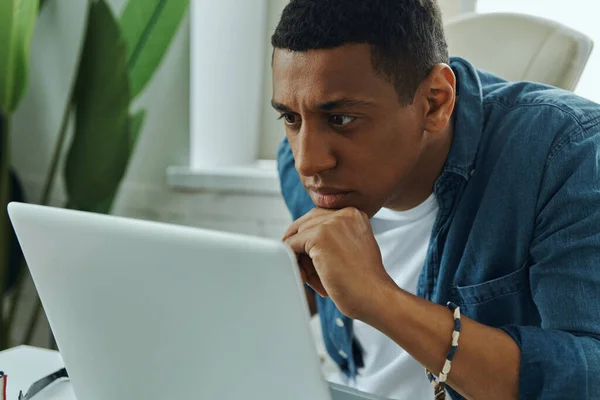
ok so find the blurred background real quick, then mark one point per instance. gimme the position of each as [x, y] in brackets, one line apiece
[160, 110]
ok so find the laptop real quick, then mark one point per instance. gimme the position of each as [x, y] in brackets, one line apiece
[147, 310]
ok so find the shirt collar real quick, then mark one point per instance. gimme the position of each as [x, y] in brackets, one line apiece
[468, 119]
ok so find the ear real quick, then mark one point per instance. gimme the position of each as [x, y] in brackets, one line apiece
[438, 90]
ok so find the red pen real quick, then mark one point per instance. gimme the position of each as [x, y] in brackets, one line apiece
[3, 379]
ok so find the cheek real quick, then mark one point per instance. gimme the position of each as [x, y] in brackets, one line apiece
[369, 170]
[386, 169]
[392, 159]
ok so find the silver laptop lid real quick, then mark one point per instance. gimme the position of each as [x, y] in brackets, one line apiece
[145, 310]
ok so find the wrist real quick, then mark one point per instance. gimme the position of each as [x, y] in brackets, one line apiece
[383, 306]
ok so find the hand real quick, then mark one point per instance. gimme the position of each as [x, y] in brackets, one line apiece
[339, 258]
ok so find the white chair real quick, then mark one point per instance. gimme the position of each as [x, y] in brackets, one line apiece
[520, 47]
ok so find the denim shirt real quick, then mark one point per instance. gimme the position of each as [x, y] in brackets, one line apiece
[516, 243]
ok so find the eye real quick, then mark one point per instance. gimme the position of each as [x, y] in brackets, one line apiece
[289, 119]
[341, 120]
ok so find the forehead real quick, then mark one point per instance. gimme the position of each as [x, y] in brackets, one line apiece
[316, 76]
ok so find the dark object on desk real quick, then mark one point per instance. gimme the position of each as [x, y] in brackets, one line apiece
[43, 383]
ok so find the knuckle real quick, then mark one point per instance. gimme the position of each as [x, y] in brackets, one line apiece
[321, 231]
[354, 213]
[348, 211]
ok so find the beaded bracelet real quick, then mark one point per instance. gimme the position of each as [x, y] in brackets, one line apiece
[439, 384]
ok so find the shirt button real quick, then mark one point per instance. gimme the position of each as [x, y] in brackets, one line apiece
[343, 354]
[339, 322]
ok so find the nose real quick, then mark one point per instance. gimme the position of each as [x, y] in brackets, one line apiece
[313, 153]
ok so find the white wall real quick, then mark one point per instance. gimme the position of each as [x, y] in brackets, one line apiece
[272, 128]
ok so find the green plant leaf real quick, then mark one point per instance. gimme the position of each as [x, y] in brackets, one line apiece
[104, 207]
[17, 21]
[135, 126]
[148, 27]
[99, 153]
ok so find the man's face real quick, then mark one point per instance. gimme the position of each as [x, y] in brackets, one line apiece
[354, 144]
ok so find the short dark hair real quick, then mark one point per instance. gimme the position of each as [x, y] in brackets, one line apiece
[406, 36]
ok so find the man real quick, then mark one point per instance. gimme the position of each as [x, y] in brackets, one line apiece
[414, 181]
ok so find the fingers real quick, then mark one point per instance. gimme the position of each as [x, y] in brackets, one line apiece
[316, 216]
[316, 221]
[308, 271]
[306, 266]
[299, 242]
[310, 275]
[298, 237]
[315, 212]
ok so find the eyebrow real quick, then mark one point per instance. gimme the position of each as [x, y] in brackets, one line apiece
[280, 107]
[328, 106]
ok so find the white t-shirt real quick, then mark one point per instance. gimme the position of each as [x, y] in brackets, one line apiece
[403, 238]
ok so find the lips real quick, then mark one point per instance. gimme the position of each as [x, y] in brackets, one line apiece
[325, 198]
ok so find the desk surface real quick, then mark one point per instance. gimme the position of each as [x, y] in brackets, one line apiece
[25, 365]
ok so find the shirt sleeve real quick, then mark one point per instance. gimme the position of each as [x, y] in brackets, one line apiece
[561, 358]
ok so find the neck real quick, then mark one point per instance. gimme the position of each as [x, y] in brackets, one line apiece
[419, 185]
